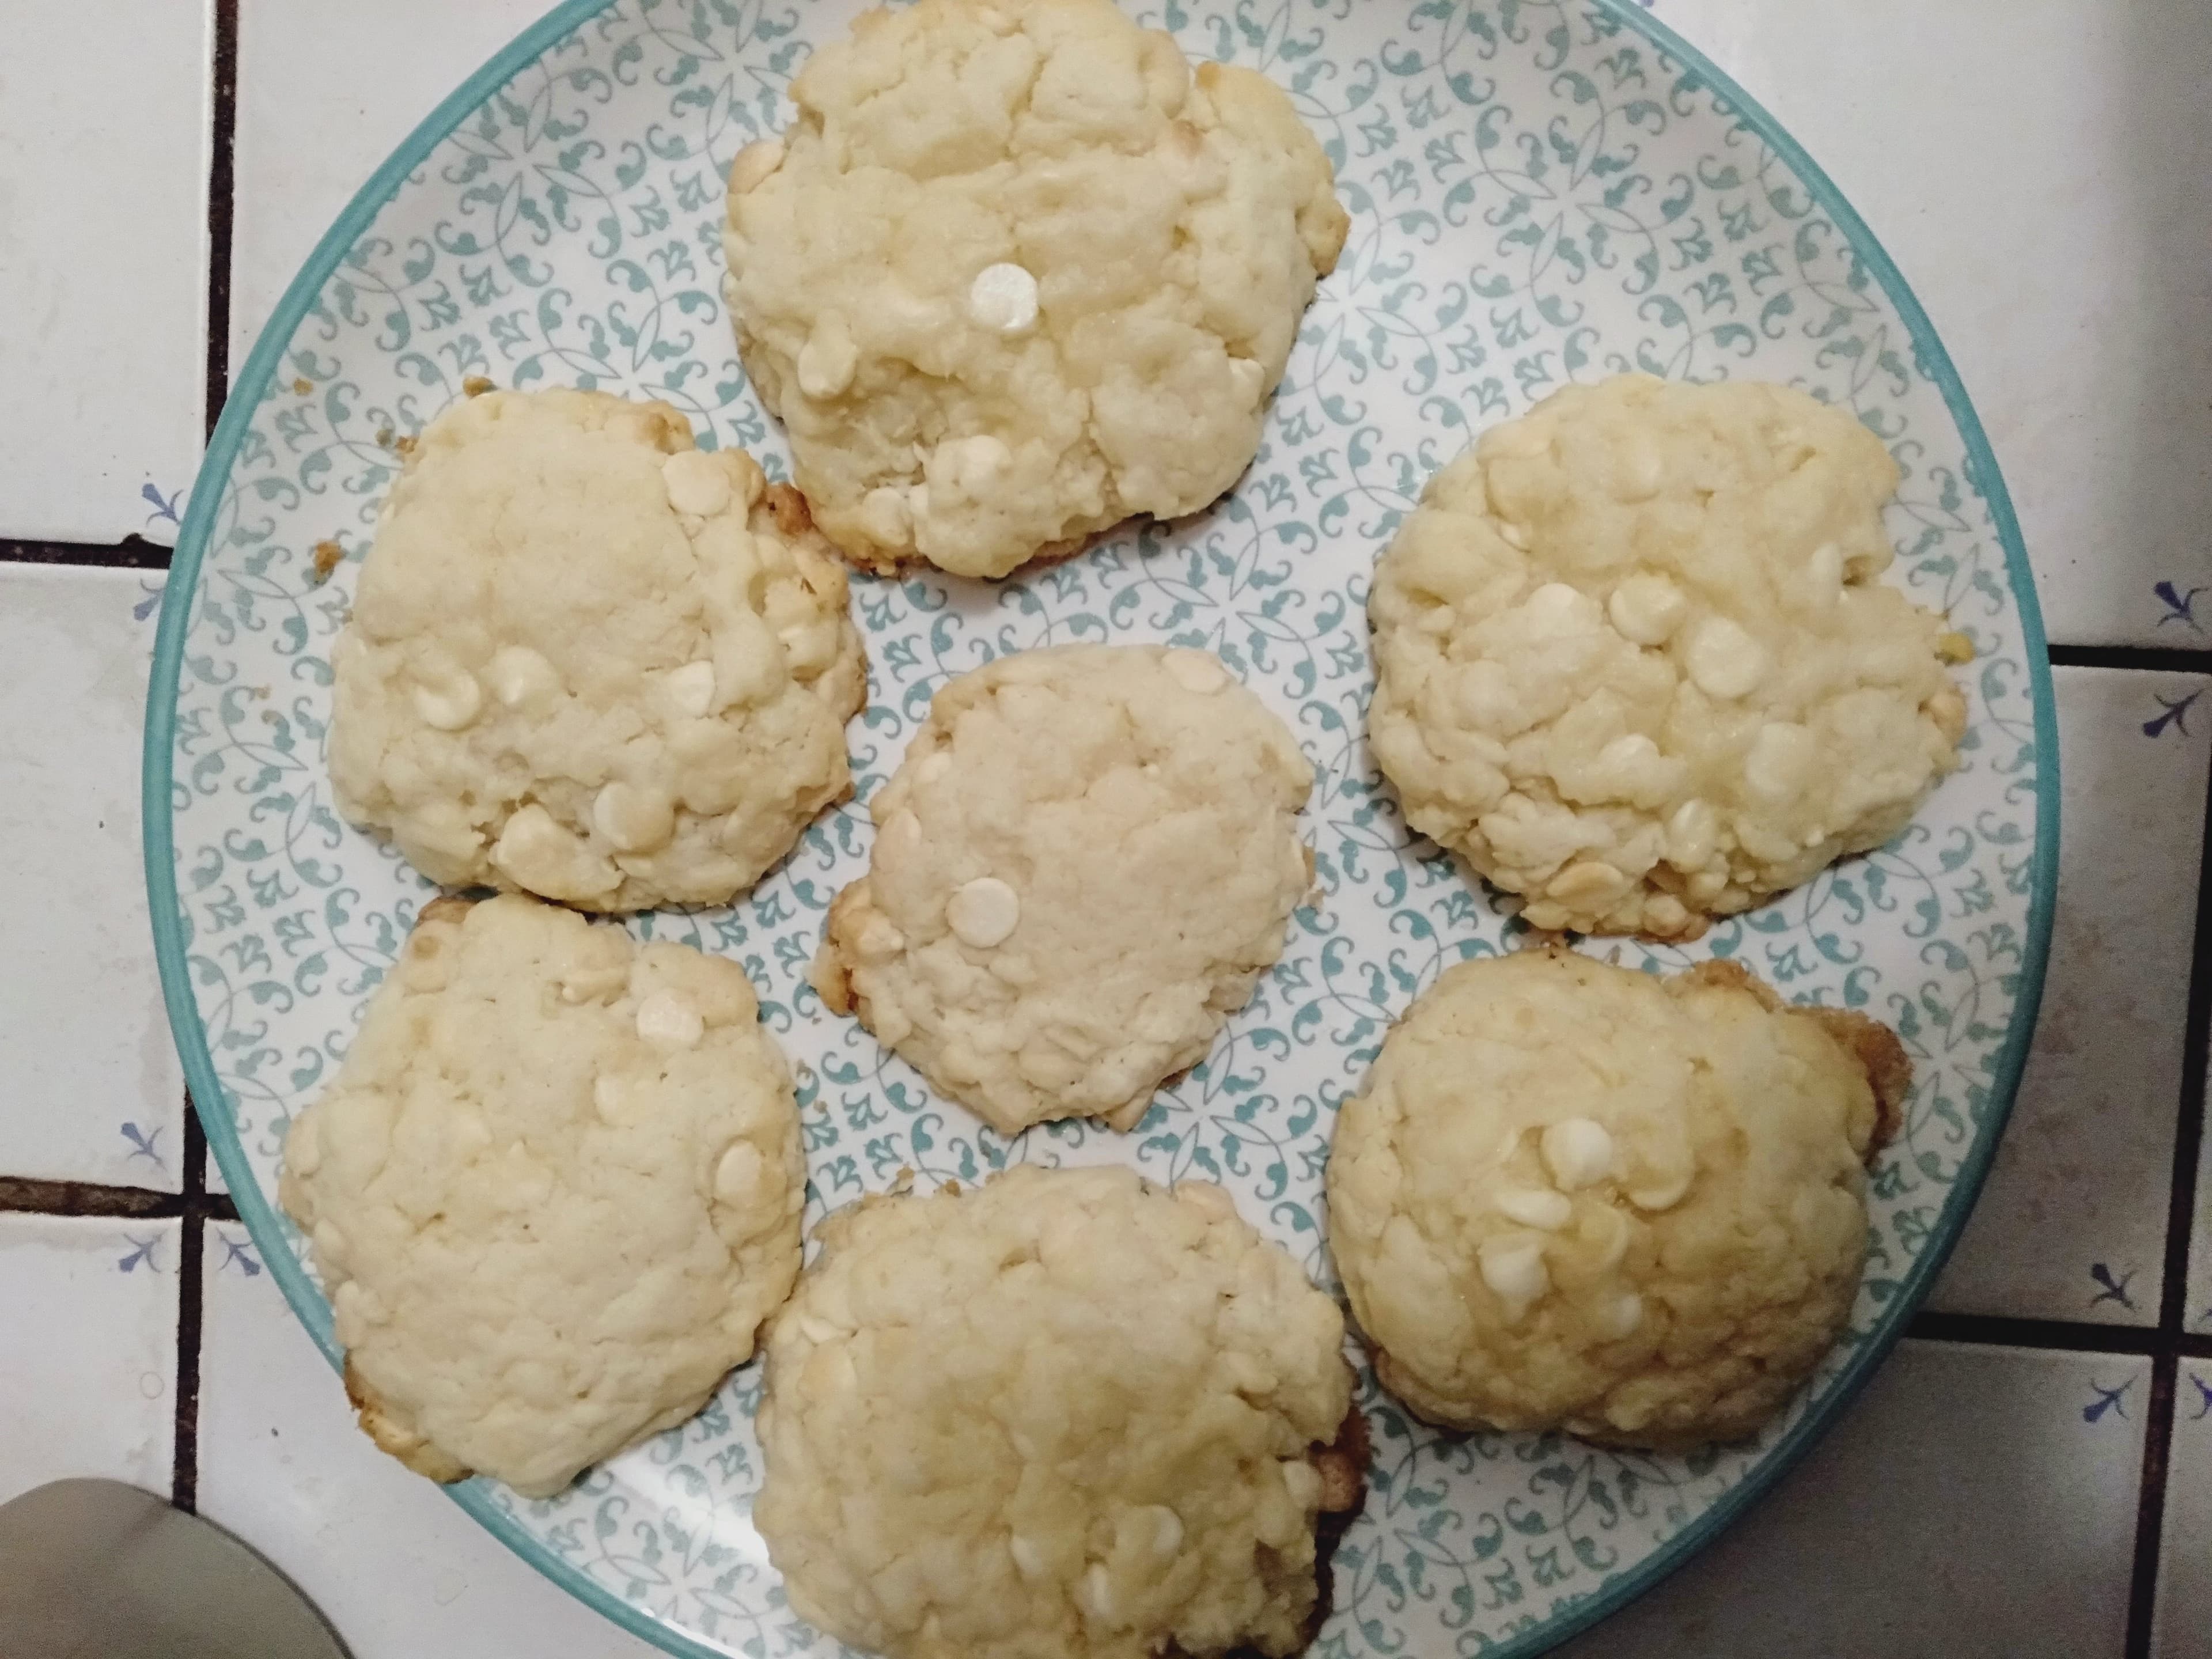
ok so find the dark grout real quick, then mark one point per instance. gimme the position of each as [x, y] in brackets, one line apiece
[2150, 1515]
[2175, 1339]
[131, 553]
[2153, 658]
[185, 1472]
[223, 143]
[86, 1198]
[2071, 1336]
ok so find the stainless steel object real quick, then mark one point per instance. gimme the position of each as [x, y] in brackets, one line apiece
[97, 1570]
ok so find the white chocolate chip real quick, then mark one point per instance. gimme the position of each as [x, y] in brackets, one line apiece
[827, 360]
[1663, 1193]
[633, 819]
[933, 768]
[1167, 1531]
[885, 515]
[1029, 1560]
[1554, 609]
[1724, 660]
[1003, 298]
[900, 839]
[534, 852]
[1513, 535]
[608, 1096]
[879, 940]
[1513, 1266]
[669, 1019]
[1640, 468]
[968, 465]
[1692, 834]
[1535, 1207]
[1194, 670]
[1647, 610]
[753, 164]
[738, 1177]
[1824, 575]
[818, 1331]
[1620, 1316]
[690, 689]
[1578, 1151]
[1301, 1481]
[1781, 760]
[450, 702]
[1097, 1596]
[696, 483]
[983, 912]
[1585, 883]
[1248, 375]
[519, 677]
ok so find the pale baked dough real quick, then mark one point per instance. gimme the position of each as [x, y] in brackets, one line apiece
[1574, 1196]
[1068, 1413]
[1016, 273]
[589, 662]
[1634, 661]
[1086, 858]
[552, 1194]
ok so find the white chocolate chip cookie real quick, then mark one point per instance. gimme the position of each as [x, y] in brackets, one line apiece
[1067, 1413]
[1085, 859]
[1578, 1197]
[589, 662]
[1634, 661]
[553, 1193]
[1016, 274]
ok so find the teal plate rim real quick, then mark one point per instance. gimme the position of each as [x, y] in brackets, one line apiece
[261, 1220]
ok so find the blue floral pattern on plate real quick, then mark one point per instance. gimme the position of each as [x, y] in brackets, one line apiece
[1542, 192]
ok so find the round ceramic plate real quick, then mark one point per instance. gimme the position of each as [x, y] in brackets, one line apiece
[1541, 194]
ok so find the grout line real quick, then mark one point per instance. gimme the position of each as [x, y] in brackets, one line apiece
[2164, 659]
[132, 553]
[2150, 1522]
[2174, 1338]
[2072, 1336]
[184, 1474]
[86, 1198]
[223, 143]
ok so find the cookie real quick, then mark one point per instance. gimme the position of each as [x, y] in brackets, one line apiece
[1634, 660]
[1068, 1413]
[1086, 858]
[552, 1194]
[589, 662]
[1573, 1196]
[1016, 273]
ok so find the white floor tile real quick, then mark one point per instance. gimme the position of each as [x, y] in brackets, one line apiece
[398, 1569]
[2072, 1224]
[89, 1363]
[326, 89]
[2183, 1628]
[92, 1089]
[1975, 1503]
[2037, 172]
[103, 267]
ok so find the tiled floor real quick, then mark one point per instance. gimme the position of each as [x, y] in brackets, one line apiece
[1886, 1539]
[88, 1369]
[92, 1090]
[2040, 185]
[2073, 1224]
[104, 265]
[2184, 1602]
[394, 1565]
